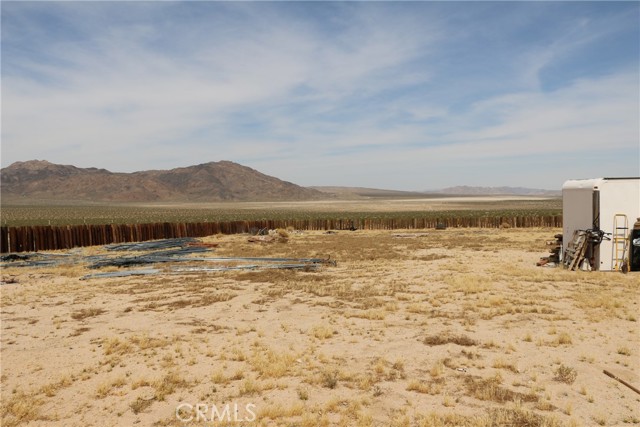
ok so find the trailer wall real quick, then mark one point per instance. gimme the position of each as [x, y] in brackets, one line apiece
[616, 197]
[594, 202]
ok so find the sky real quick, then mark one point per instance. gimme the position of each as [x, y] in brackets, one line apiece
[394, 95]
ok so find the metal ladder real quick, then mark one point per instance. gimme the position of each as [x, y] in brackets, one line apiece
[619, 242]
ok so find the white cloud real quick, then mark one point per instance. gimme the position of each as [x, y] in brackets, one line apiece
[367, 99]
[574, 131]
[588, 115]
[118, 94]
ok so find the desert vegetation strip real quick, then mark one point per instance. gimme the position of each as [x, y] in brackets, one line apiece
[62, 215]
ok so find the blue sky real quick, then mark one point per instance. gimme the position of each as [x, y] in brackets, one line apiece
[400, 95]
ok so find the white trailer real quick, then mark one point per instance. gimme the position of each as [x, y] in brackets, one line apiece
[594, 203]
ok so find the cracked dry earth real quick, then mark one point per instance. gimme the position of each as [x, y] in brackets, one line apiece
[414, 328]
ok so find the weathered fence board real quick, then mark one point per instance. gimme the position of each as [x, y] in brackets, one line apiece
[38, 238]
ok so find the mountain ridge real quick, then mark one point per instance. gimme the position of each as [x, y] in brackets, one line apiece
[41, 181]
[206, 182]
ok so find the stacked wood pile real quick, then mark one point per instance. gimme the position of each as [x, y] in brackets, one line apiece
[554, 252]
[38, 238]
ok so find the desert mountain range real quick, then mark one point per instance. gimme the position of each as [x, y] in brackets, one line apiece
[207, 182]
[40, 181]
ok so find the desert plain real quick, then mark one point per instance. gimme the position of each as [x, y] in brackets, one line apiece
[453, 327]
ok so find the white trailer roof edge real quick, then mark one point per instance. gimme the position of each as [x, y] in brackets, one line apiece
[582, 184]
[590, 184]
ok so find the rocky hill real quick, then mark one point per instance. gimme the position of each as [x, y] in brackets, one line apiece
[40, 180]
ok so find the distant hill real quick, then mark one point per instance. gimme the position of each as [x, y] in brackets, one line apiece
[370, 193]
[350, 193]
[499, 191]
[40, 180]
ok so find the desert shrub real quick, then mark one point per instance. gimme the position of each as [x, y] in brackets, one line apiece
[565, 374]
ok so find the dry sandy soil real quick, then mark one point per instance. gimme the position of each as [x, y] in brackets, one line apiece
[439, 328]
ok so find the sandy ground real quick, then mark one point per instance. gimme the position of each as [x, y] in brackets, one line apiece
[436, 328]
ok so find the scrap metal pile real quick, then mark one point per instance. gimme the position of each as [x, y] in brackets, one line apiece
[183, 255]
[553, 259]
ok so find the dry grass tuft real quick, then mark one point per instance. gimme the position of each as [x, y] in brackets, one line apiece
[303, 393]
[202, 300]
[519, 417]
[250, 387]
[271, 364]
[20, 408]
[437, 369]
[468, 284]
[79, 331]
[140, 405]
[329, 379]
[512, 417]
[219, 377]
[52, 389]
[145, 342]
[500, 363]
[624, 350]
[432, 387]
[86, 312]
[447, 338]
[367, 314]
[105, 388]
[168, 384]
[117, 346]
[121, 347]
[323, 332]
[564, 339]
[490, 389]
[444, 420]
[277, 411]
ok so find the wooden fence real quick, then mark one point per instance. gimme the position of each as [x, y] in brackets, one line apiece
[37, 238]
